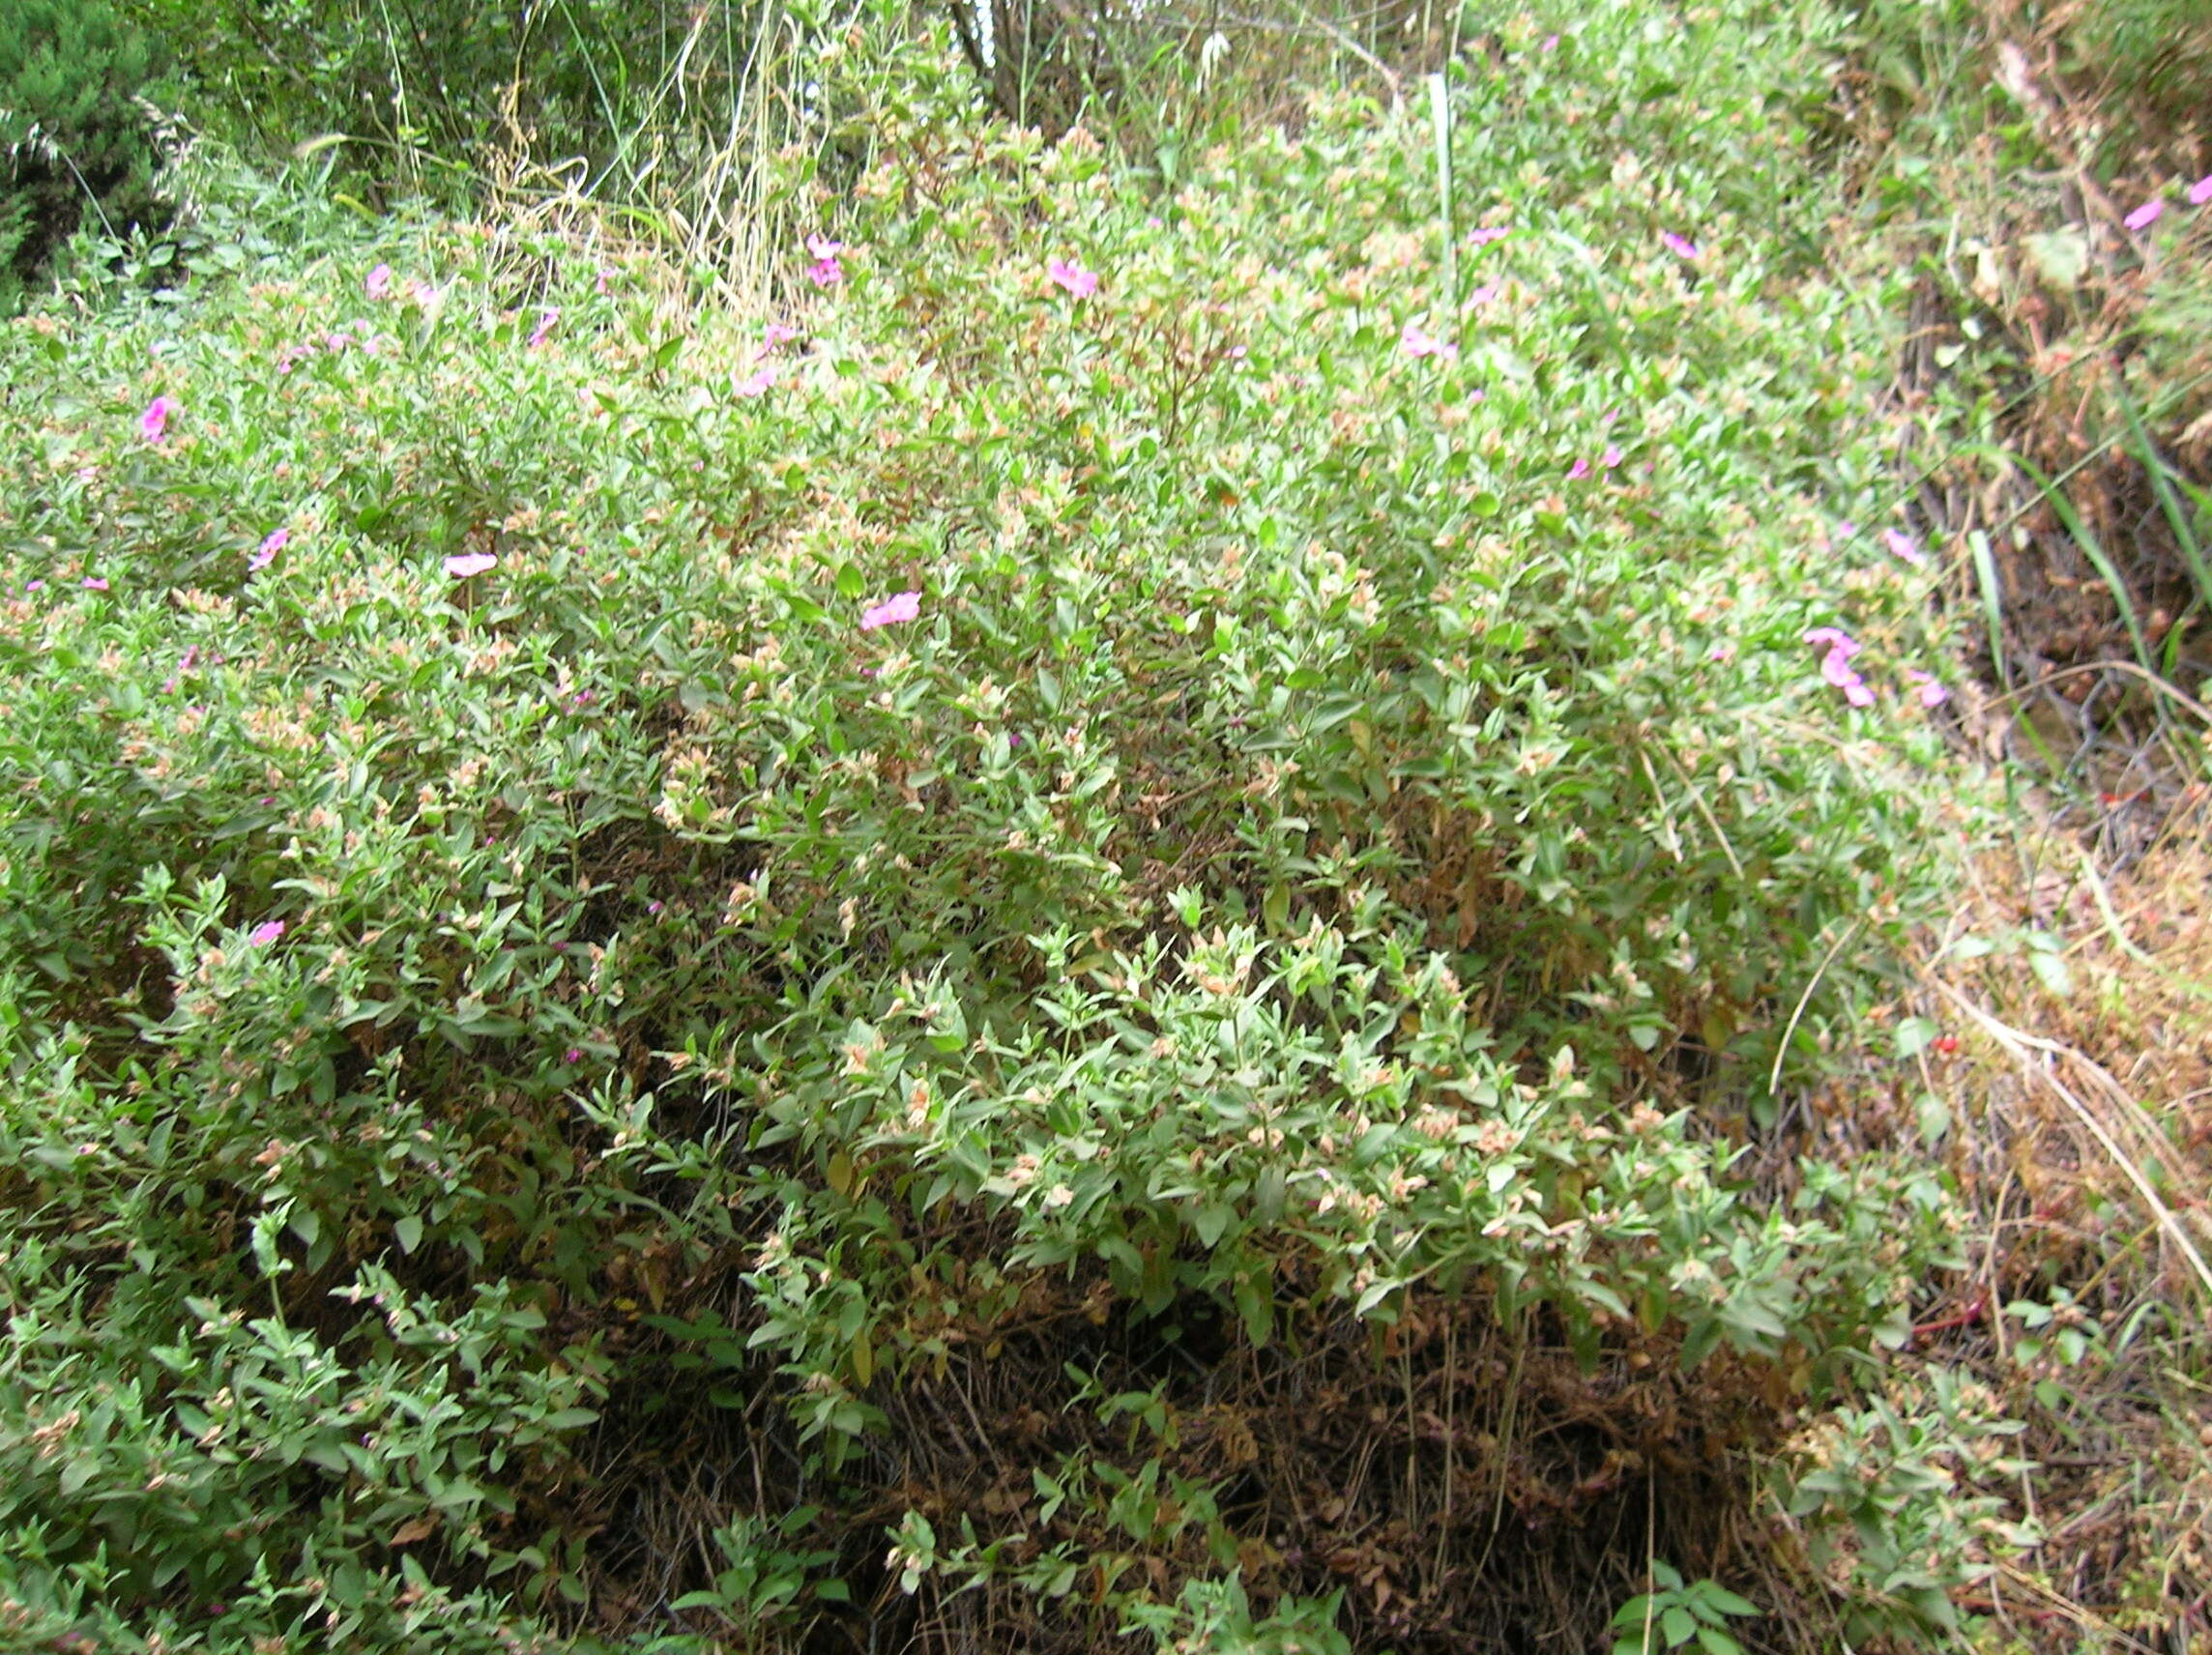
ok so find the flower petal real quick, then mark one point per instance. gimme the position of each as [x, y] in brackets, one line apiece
[1070, 275]
[1904, 546]
[906, 606]
[1930, 693]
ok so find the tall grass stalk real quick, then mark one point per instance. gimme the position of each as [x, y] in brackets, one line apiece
[2161, 474]
[698, 147]
[1440, 120]
[2063, 509]
[1992, 600]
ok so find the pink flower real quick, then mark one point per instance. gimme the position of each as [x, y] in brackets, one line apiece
[1580, 469]
[377, 284]
[266, 933]
[1484, 294]
[546, 321]
[2145, 215]
[606, 279]
[825, 270]
[266, 555]
[1611, 457]
[906, 606]
[1071, 276]
[2201, 193]
[574, 1054]
[1904, 546]
[1681, 246]
[1932, 694]
[1835, 665]
[1418, 342]
[462, 564]
[777, 334]
[755, 383]
[154, 424]
[95, 583]
[1489, 233]
[1551, 42]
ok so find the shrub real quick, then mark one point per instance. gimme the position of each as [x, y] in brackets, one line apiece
[2153, 62]
[75, 130]
[595, 919]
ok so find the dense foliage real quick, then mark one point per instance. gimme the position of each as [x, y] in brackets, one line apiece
[644, 954]
[75, 130]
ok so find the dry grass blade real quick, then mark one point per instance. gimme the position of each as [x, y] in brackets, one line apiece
[2075, 1613]
[2156, 682]
[2024, 1049]
[1789, 1033]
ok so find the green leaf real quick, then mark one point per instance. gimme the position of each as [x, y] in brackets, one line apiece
[2061, 257]
[1254, 1293]
[1750, 1315]
[1725, 1600]
[2052, 972]
[1914, 1034]
[1700, 1341]
[407, 1230]
[1211, 1220]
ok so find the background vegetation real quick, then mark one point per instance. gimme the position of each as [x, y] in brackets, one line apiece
[1014, 830]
